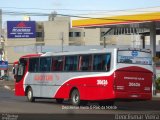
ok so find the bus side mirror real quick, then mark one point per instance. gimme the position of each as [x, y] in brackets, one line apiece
[13, 71]
[15, 77]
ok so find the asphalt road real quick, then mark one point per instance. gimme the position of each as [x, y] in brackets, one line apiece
[13, 104]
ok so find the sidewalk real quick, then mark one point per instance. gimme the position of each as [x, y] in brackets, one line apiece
[156, 97]
[7, 84]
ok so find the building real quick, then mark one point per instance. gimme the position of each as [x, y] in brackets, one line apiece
[47, 33]
[57, 31]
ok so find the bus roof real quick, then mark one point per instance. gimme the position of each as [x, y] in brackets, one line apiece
[79, 52]
[93, 51]
[31, 55]
[109, 50]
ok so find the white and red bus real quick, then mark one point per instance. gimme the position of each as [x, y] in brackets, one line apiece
[96, 75]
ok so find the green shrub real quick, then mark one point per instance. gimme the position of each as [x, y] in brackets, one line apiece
[158, 83]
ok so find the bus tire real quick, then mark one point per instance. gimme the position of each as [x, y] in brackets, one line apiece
[30, 95]
[59, 101]
[75, 97]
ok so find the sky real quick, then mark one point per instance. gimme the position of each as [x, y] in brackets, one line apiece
[69, 7]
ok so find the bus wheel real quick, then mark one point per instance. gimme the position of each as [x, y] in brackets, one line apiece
[30, 95]
[59, 101]
[75, 97]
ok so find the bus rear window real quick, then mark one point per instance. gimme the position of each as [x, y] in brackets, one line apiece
[134, 57]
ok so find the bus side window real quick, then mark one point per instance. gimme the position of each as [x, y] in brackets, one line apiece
[71, 63]
[45, 64]
[57, 63]
[101, 62]
[107, 62]
[97, 62]
[33, 64]
[85, 62]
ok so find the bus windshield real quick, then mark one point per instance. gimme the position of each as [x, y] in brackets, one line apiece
[21, 69]
[134, 57]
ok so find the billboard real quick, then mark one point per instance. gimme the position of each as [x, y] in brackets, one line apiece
[21, 29]
[3, 65]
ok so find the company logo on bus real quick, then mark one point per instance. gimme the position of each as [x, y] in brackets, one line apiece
[43, 77]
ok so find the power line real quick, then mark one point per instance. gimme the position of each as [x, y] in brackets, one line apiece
[82, 9]
[47, 14]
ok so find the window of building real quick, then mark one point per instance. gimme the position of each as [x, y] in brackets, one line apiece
[158, 55]
[70, 34]
[33, 64]
[85, 62]
[101, 62]
[102, 33]
[39, 34]
[45, 64]
[123, 31]
[77, 34]
[71, 63]
[57, 63]
[71, 43]
[40, 27]
[75, 44]
[101, 43]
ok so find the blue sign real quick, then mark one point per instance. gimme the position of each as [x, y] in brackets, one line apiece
[21, 29]
[134, 53]
[3, 65]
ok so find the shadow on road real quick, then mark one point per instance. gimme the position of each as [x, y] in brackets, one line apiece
[7, 98]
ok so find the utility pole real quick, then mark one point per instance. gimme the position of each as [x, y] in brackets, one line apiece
[62, 41]
[41, 48]
[104, 42]
[1, 38]
[153, 49]
[0, 22]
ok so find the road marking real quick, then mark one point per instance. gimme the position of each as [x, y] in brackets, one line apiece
[7, 87]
